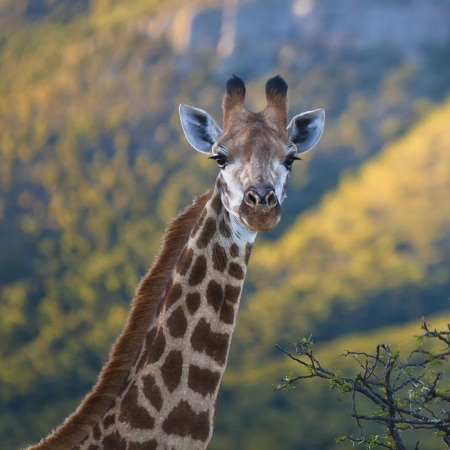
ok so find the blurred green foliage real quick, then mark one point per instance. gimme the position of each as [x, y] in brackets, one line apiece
[92, 166]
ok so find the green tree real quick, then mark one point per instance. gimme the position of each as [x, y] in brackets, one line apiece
[406, 394]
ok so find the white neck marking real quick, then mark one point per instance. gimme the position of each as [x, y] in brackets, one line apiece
[241, 232]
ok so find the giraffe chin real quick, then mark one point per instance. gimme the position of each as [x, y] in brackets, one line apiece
[260, 219]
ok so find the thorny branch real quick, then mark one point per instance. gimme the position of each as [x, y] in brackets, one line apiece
[407, 393]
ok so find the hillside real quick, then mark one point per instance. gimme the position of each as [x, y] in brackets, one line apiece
[375, 251]
[93, 165]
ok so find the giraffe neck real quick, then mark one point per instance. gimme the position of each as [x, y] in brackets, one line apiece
[169, 396]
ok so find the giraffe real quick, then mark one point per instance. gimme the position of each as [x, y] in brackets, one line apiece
[160, 388]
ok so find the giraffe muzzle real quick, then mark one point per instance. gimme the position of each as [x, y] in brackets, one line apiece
[260, 209]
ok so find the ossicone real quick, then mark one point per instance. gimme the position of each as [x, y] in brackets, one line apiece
[277, 104]
[276, 91]
[234, 97]
[235, 88]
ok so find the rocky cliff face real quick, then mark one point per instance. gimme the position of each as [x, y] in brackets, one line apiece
[273, 32]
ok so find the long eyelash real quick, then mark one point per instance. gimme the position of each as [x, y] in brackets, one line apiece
[218, 156]
[220, 160]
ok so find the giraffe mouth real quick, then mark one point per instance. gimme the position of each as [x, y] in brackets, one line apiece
[261, 218]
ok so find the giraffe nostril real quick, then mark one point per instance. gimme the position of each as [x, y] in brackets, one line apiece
[251, 198]
[271, 199]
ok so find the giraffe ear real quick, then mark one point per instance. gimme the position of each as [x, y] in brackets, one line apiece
[305, 129]
[199, 127]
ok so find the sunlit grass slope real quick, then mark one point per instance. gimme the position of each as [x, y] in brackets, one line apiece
[375, 251]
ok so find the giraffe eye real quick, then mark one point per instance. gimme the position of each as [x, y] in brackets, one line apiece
[220, 160]
[289, 161]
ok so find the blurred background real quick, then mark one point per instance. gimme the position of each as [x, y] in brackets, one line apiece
[93, 164]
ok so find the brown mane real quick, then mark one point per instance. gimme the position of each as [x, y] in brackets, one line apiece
[126, 348]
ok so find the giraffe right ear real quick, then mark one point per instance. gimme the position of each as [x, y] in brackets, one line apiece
[305, 129]
[199, 127]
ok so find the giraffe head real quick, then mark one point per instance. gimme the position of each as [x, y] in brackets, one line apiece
[254, 151]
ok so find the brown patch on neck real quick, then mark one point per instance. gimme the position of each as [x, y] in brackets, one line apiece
[125, 350]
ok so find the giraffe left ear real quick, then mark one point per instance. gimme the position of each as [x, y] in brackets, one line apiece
[199, 127]
[305, 129]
